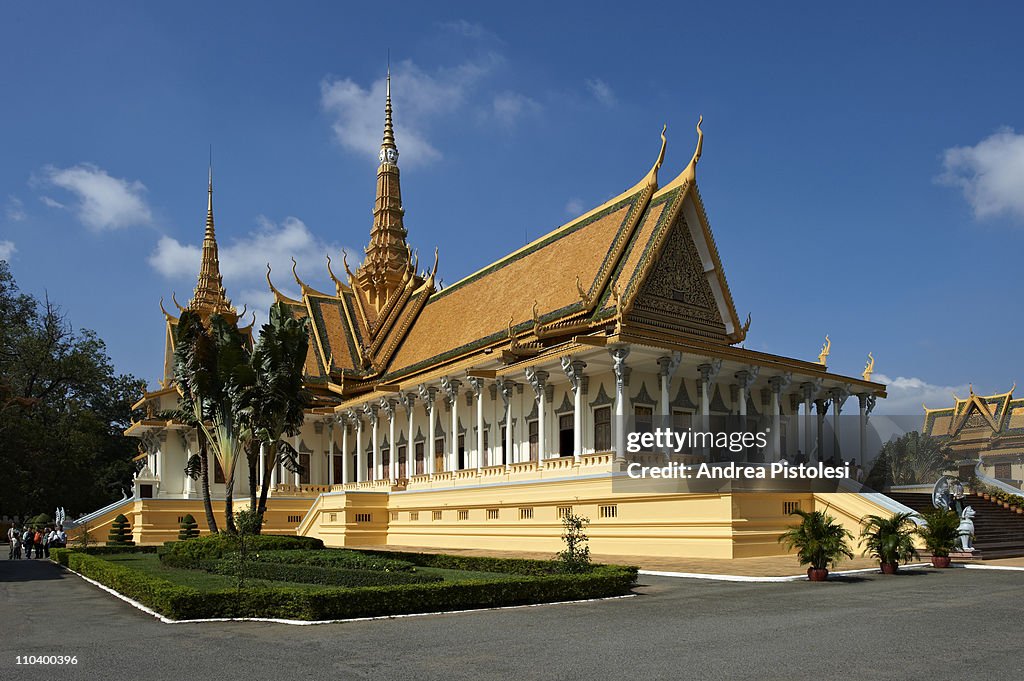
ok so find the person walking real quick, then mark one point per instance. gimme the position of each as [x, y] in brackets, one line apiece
[16, 546]
[12, 534]
[62, 537]
[38, 544]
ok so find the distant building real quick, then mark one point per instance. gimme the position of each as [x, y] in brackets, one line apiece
[989, 429]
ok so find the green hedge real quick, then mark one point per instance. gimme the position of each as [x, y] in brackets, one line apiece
[316, 574]
[179, 602]
[102, 550]
[340, 558]
[513, 566]
[214, 546]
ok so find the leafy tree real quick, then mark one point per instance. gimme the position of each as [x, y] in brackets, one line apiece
[278, 399]
[911, 459]
[576, 555]
[212, 371]
[63, 410]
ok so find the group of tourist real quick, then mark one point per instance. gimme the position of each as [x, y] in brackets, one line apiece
[32, 540]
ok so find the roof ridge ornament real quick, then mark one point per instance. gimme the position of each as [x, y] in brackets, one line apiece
[689, 174]
[869, 368]
[825, 350]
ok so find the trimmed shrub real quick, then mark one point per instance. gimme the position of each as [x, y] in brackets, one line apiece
[189, 528]
[512, 566]
[339, 558]
[214, 546]
[315, 574]
[120, 532]
[104, 550]
[180, 602]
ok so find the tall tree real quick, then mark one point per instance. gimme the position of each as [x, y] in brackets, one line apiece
[63, 409]
[215, 379]
[278, 397]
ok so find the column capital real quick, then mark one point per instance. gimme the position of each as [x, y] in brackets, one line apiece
[388, 405]
[538, 380]
[408, 401]
[427, 395]
[821, 405]
[476, 385]
[505, 388]
[867, 402]
[451, 388]
[573, 369]
[371, 413]
[780, 382]
[838, 396]
[619, 355]
[746, 377]
[809, 388]
[709, 370]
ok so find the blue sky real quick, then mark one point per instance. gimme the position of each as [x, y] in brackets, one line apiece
[863, 165]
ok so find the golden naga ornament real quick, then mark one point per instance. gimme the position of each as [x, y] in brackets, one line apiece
[869, 368]
[825, 349]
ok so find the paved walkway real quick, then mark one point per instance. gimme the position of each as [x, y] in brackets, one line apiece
[865, 627]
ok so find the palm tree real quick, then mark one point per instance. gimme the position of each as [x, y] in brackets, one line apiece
[279, 397]
[819, 540]
[215, 380]
[890, 540]
[914, 459]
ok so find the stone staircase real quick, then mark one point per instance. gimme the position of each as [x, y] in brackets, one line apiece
[998, 532]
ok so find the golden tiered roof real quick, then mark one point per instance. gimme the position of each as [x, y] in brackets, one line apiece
[643, 264]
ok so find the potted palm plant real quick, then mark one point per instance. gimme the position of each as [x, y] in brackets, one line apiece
[939, 535]
[819, 542]
[889, 540]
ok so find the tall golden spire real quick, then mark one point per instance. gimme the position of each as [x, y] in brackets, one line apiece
[210, 296]
[386, 266]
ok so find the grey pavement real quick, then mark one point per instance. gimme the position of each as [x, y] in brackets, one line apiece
[925, 624]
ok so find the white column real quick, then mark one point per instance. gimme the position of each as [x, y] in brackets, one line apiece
[330, 452]
[428, 395]
[538, 381]
[262, 465]
[807, 391]
[346, 474]
[388, 405]
[707, 375]
[190, 484]
[505, 390]
[821, 407]
[838, 396]
[409, 402]
[295, 476]
[477, 389]
[744, 379]
[361, 467]
[273, 474]
[574, 371]
[667, 366]
[867, 404]
[451, 389]
[378, 464]
[776, 441]
[619, 355]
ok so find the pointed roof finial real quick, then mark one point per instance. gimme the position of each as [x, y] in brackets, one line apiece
[389, 130]
[209, 202]
[209, 295]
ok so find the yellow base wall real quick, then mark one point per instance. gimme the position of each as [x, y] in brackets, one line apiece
[520, 509]
[155, 521]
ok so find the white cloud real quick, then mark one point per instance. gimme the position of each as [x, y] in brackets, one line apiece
[574, 207]
[15, 209]
[601, 91]
[104, 202]
[418, 98]
[51, 203]
[991, 174]
[243, 262]
[468, 29]
[907, 395]
[7, 249]
[509, 107]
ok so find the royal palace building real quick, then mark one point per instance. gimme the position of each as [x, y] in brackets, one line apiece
[477, 415]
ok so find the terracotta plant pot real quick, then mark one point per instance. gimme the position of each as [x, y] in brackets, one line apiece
[940, 561]
[889, 568]
[816, 575]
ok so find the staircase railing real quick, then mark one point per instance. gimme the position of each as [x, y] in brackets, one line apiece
[994, 482]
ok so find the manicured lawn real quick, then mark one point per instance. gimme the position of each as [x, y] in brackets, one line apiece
[150, 564]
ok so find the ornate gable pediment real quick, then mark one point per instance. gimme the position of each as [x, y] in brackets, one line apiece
[675, 293]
